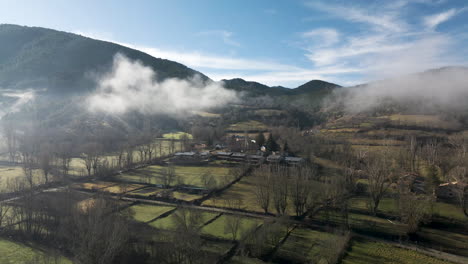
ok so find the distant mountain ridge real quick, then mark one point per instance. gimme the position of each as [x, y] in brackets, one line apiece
[259, 89]
[61, 62]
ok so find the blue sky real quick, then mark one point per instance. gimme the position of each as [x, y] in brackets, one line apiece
[283, 42]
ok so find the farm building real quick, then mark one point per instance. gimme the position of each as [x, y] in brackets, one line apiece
[223, 155]
[274, 158]
[237, 156]
[413, 183]
[190, 157]
[447, 190]
[255, 159]
[293, 161]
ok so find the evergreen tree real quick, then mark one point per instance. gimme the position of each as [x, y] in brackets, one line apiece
[260, 139]
[286, 147]
[271, 144]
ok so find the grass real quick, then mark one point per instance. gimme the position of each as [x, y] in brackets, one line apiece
[268, 112]
[122, 188]
[244, 260]
[171, 222]
[186, 196]
[77, 166]
[362, 252]
[177, 135]
[146, 212]
[302, 246]
[451, 242]
[422, 120]
[93, 185]
[250, 125]
[218, 227]
[188, 175]
[386, 205]
[207, 114]
[146, 192]
[450, 211]
[10, 173]
[243, 191]
[14, 253]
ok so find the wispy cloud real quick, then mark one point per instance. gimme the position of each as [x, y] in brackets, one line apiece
[388, 43]
[322, 36]
[380, 20]
[225, 35]
[433, 21]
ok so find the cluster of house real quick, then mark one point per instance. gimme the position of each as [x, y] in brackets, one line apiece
[205, 156]
[417, 184]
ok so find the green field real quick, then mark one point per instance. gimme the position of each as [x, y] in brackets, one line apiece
[243, 191]
[386, 205]
[172, 221]
[244, 260]
[219, 229]
[449, 211]
[303, 246]
[177, 135]
[14, 253]
[8, 174]
[186, 196]
[146, 212]
[251, 125]
[77, 166]
[188, 175]
[363, 252]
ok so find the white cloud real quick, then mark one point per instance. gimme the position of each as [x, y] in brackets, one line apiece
[322, 36]
[380, 18]
[132, 86]
[388, 44]
[225, 35]
[433, 21]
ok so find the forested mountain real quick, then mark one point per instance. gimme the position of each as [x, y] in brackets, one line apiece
[40, 58]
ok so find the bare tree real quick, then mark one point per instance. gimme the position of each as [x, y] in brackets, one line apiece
[301, 186]
[378, 169]
[414, 210]
[95, 234]
[90, 155]
[168, 175]
[280, 189]
[45, 159]
[10, 134]
[262, 179]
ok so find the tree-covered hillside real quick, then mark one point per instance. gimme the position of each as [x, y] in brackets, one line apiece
[39, 58]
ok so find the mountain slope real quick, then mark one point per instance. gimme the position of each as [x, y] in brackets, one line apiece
[32, 57]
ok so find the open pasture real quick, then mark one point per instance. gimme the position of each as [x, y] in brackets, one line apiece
[16, 253]
[183, 217]
[220, 228]
[248, 126]
[122, 188]
[185, 175]
[146, 212]
[97, 185]
[13, 173]
[362, 251]
[303, 246]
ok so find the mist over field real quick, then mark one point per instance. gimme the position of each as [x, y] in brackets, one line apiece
[445, 88]
[132, 86]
